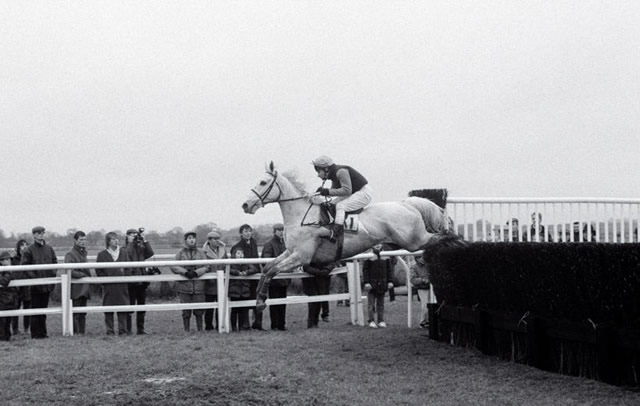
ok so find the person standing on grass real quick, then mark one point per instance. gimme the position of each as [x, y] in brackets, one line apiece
[278, 287]
[8, 297]
[240, 290]
[114, 294]
[138, 250]
[39, 253]
[24, 292]
[316, 286]
[249, 248]
[80, 292]
[214, 248]
[377, 276]
[192, 289]
[419, 278]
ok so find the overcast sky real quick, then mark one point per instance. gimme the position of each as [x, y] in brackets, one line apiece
[161, 114]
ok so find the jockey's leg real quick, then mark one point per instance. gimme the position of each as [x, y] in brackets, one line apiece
[354, 202]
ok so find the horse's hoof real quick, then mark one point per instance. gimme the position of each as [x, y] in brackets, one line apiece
[260, 306]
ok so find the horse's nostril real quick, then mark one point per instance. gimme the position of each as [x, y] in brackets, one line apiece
[245, 207]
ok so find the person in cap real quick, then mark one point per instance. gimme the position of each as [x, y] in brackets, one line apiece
[8, 297]
[349, 187]
[80, 292]
[191, 290]
[39, 253]
[214, 248]
[114, 294]
[249, 248]
[278, 287]
[138, 250]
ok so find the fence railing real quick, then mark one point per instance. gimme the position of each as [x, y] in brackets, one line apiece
[223, 305]
[569, 219]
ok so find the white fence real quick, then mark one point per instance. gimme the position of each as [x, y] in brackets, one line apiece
[224, 305]
[604, 220]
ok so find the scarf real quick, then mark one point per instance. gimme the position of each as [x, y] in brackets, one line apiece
[114, 253]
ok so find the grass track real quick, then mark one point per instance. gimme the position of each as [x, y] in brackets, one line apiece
[337, 364]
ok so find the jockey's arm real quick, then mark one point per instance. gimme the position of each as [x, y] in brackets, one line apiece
[345, 184]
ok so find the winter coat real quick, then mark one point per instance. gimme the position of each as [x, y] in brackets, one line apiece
[250, 250]
[420, 275]
[190, 286]
[213, 252]
[114, 294]
[75, 256]
[8, 295]
[241, 289]
[378, 273]
[40, 254]
[322, 275]
[272, 249]
[138, 253]
[24, 292]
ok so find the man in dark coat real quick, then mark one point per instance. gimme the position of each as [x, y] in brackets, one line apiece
[114, 294]
[39, 253]
[249, 248]
[318, 285]
[278, 287]
[80, 292]
[138, 250]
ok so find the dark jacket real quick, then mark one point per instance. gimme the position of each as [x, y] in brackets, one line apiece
[272, 249]
[138, 253]
[40, 254]
[320, 283]
[378, 273]
[114, 294]
[8, 295]
[24, 292]
[250, 250]
[190, 286]
[78, 255]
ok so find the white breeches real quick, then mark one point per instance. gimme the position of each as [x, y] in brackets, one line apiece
[353, 202]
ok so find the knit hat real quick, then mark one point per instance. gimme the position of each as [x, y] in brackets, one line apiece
[188, 233]
[5, 255]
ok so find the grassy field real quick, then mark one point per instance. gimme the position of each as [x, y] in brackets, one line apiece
[336, 364]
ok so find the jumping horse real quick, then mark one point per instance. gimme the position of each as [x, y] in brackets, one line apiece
[410, 224]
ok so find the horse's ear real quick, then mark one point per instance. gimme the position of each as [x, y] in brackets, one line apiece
[272, 167]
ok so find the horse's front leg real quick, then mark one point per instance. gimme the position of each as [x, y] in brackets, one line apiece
[284, 263]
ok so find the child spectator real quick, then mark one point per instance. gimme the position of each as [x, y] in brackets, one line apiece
[240, 290]
[377, 275]
[8, 297]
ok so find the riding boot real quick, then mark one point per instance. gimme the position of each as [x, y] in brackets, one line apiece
[187, 322]
[337, 231]
[199, 322]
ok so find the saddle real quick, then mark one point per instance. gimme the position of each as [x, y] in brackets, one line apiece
[328, 216]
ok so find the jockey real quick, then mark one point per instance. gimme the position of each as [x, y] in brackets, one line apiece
[348, 185]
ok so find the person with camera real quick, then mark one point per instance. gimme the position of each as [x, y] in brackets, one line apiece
[138, 249]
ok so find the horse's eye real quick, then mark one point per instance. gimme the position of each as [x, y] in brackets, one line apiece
[263, 183]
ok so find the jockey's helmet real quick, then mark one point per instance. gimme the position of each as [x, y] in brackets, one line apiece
[322, 161]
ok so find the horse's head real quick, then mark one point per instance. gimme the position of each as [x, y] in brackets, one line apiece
[266, 191]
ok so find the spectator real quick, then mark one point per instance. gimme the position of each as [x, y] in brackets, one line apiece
[114, 294]
[537, 230]
[278, 287]
[240, 290]
[512, 230]
[214, 248]
[192, 289]
[138, 250]
[8, 297]
[249, 249]
[316, 286]
[24, 292]
[80, 293]
[377, 275]
[420, 280]
[39, 253]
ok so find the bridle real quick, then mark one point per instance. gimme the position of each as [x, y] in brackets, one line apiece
[273, 183]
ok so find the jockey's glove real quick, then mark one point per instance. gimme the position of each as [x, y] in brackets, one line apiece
[323, 191]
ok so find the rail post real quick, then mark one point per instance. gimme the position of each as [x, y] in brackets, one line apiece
[222, 300]
[66, 303]
[358, 289]
[227, 307]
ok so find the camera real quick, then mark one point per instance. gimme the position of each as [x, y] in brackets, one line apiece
[154, 270]
[138, 237]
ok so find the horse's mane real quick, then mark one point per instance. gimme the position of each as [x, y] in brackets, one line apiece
[292, 176]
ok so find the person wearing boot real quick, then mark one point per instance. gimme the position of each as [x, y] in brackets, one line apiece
[138, 250]
[80, 292]
[191, 290]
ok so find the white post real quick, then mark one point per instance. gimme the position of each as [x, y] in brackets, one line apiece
[358, 289]
[222, 302]
[227, 307]
[352, 292]
[407, 272]
[65, 302]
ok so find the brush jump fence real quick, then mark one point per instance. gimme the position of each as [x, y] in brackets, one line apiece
[223, 305]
